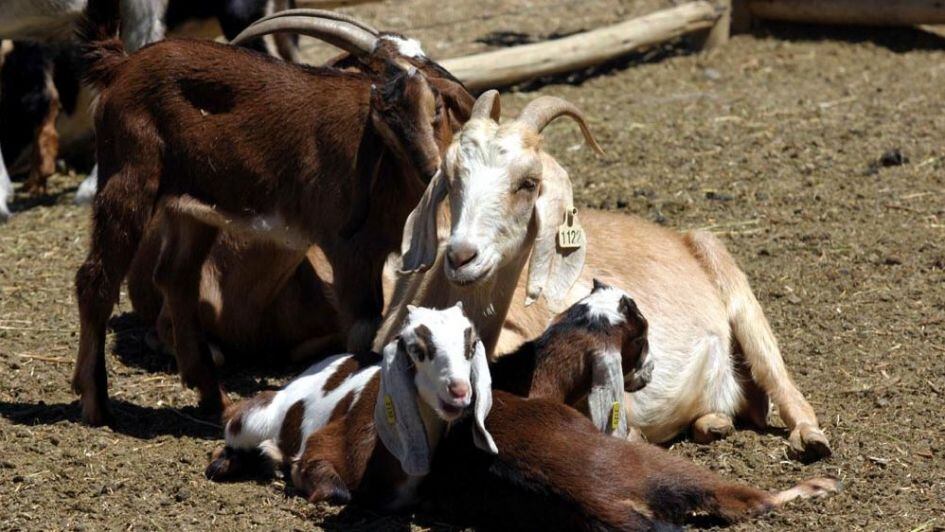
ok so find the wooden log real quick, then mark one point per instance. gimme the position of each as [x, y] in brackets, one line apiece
[718, 34]
[521, 63]
[858, 12]
[331, 4]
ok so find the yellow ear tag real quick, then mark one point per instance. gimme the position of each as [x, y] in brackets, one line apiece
[615, 416]
[389, 409]
[570, 232]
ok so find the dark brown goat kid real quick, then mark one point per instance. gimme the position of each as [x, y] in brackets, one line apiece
[222, 138]
[555, 469]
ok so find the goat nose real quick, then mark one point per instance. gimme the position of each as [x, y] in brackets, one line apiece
[461, 254]
[459, 389]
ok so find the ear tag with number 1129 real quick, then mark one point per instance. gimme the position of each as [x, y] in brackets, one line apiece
[570, 232]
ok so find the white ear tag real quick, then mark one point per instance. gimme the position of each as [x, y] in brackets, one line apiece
[570, 232]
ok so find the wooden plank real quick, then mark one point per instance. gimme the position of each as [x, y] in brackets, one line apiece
[521, 63]
[856, 12]
[720, 32]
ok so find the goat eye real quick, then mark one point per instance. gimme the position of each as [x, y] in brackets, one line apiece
[528, 184]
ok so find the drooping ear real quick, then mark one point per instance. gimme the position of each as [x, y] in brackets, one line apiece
[456, 98]
[482, 387]
[367, 166]
[638, 369]
[605, 400]
[553, 270]
[420, 243]
[396, 414]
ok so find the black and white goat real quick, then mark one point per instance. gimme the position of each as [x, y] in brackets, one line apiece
[328, 420]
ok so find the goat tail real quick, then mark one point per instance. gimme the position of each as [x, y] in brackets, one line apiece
[757, 342]
[101, 50]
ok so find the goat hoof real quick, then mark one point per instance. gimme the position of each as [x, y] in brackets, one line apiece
[213, 403]
[809, 443]
[95, 413]
[712, 427]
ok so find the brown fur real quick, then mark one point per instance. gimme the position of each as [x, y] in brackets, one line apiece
[290, 435]
[544, 477]
[205, 127]
[256, 296]
[344, 459]
[46, 146]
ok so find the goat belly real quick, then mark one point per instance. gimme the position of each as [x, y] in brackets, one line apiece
[325, 391]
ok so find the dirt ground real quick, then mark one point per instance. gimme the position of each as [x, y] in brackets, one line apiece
[775, 142]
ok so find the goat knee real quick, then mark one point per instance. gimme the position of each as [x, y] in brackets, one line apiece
[711, 427]
[319, 481]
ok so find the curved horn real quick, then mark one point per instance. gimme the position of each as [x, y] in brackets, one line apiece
[543, 110]
[344, 35]
[323, 14]
[487, 106]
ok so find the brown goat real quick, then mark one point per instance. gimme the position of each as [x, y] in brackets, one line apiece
[223, 138]
[256, 296]
[589, 357]
[556, 471]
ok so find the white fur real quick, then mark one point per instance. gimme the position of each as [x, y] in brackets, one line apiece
[605, 304]
[449, 363]
[6, 191]
[263, 424]
[407, 46]
[86, 192]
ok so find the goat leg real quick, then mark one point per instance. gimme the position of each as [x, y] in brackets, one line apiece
[186, 245]
[46, 146]
[360, 295]
[319, 481]
[759, 346]
[115, 235]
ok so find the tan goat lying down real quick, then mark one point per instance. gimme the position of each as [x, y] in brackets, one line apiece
[705, 323]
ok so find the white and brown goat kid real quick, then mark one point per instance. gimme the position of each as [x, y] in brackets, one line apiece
[714, 354]
[590, 357]
[328, 421]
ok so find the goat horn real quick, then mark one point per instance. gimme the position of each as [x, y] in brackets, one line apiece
[487, 106]
[344, 35]
[323, 14]
[543, 110]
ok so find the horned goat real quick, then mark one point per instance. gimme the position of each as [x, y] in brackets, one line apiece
[223, 138]
[271, 300]
[329, 420]
[715, 357]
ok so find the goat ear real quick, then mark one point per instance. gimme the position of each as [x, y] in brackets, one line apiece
[455, 96]
[396, 414]
[420, 242]
[553, 270]
[482, 387]
[605, 402]
[367, 166]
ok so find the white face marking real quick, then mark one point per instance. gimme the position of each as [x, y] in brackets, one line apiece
[484, 166]
[448, 363]
[407, 47]
[605, 304]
